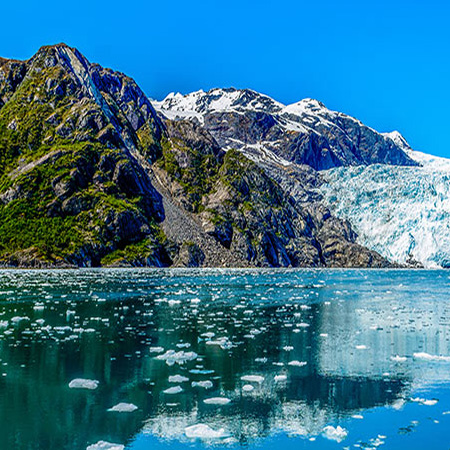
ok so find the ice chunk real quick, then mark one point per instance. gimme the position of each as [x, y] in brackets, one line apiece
[177, 379]
[203, 431]
[173, 390]
[123, 407]
[398, 358]
[424, 401]
[337, 434]
[253, 378]
[280, 377]
[204, 384]
[156, 349]
[217, 401]
[427, 357]
[103, 445]
[297, 363]
[82, 383]
[171, 357]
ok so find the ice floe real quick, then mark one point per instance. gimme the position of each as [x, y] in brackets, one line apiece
[217, 401]
[172, 357]
[173, 390]
[203, 431]
[104, 445]
[82, 383]
[123, 407]
[337, 434]
[427, 357]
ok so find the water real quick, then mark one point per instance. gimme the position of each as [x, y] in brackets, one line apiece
[298, 354]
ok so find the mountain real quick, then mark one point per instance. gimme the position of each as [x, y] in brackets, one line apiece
[303, 133]
[92, 174]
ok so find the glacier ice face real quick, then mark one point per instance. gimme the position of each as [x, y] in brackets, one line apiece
[401, 212]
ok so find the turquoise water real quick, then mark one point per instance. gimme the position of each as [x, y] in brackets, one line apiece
[304, 359]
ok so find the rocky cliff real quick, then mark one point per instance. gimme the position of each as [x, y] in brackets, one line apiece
[91, 174]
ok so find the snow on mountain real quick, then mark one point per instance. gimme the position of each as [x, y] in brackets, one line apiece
[397, 199]
[401, 212]
[305, 132]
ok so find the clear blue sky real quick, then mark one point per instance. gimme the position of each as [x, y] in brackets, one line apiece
[385, 62]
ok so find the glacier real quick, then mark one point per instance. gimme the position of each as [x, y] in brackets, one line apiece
[403, 213]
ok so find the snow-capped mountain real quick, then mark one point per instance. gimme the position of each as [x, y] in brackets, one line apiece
[396, 199]
[305, 132]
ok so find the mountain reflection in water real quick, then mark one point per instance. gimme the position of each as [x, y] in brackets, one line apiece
[294, 351]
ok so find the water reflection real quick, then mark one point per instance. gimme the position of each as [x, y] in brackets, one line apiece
[293, 351]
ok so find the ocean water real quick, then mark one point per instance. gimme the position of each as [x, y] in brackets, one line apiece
[256, 359]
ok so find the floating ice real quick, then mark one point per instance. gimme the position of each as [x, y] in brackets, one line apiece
[424, 401]
[217, 401]
[398, 358]
[82, 383]
[103, 445]
[203, 431]
[337, 434]
[224, 343]
[171, 357]
[297, 363]
[177, 379]
[204, 384]
[280, 377]
[173, 390]
[123, 407]
[253, 378]
[427, 357]
[156, 349]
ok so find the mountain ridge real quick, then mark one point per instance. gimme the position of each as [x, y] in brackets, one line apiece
[92, 174]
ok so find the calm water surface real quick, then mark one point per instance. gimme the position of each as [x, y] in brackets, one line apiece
[304, 359]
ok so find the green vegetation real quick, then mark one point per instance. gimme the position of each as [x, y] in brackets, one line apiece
[198, 174]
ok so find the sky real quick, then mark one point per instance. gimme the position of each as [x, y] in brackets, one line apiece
[385, 62]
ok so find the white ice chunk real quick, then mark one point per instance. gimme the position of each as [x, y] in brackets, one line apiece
[253, 378]
[123, 407]
[217, 401]
[337, 434]
[177, 379]
[103, 445]
[82, 383]
[427, 357]
[297, 363]
[203, 431]
[171, 357]
[204, 384]
[173, 390]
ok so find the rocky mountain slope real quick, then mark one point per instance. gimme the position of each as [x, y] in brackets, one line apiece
[91, 174]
